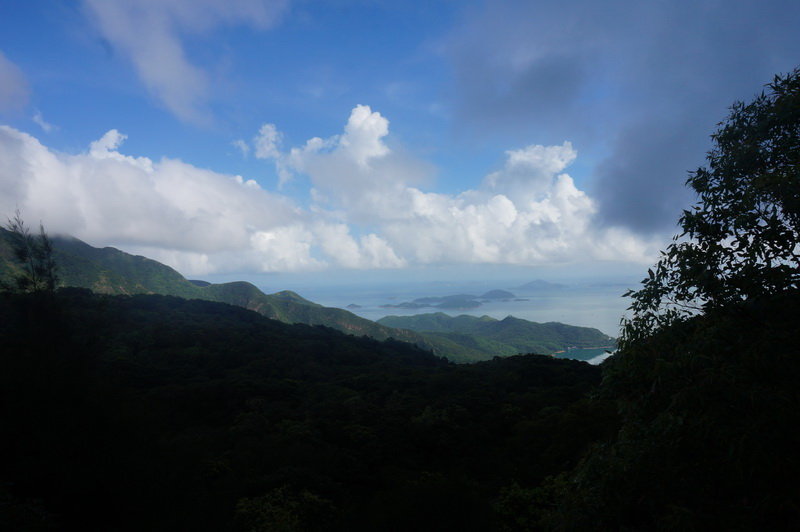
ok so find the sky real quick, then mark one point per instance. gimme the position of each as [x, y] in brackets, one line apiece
[349, 140]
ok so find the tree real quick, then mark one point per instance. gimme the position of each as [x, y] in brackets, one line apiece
[35, 256]
[741, 240]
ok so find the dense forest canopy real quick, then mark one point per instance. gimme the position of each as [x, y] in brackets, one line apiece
[158, 413]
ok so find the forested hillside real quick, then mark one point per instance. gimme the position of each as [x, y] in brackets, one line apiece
[709, 408]
[111, 271]
[158, 413]
[507, 336]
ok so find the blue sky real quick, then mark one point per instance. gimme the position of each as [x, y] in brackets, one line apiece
[254, 137]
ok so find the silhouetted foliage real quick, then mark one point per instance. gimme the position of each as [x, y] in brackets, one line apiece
[709, 407]
[742, 238]
[706, 378]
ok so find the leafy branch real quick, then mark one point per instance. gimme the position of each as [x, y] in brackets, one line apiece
[741, 240]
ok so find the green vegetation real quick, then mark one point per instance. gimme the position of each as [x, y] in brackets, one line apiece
[501, 337]
[709, 407]
[707, 375]
[152, 412]
[111, 271]
[740, 241]
[32, 265]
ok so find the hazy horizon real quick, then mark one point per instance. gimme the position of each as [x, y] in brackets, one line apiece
[586, 302]
[593, 301]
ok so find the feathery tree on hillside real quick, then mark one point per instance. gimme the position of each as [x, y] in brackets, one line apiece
[34, 255]
[741, 240]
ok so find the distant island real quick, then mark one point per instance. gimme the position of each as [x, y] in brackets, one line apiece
[497, 294]
[454, 302]
[539, 285]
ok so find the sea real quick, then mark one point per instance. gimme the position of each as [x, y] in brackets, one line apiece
[599, 305]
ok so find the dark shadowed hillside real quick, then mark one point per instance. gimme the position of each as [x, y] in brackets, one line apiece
[157, 413]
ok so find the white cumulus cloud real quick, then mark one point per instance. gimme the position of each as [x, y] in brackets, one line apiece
[363, 134]
[357, 171]
[194, 219]
[267, 142]
[366, 207]
[527, 212]
[106, 198]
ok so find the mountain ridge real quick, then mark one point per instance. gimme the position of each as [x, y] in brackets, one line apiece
[111, 271]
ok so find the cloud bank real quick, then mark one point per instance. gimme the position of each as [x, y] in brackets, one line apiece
[365, 209]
